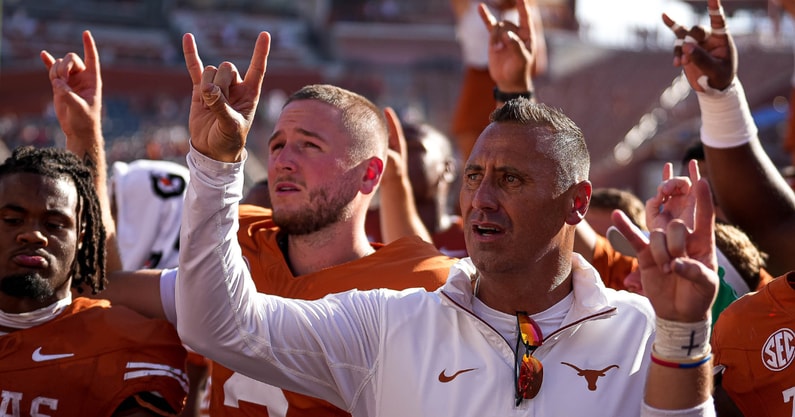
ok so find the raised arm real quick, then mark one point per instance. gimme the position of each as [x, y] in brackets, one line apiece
[678, 270]
[221, 113]
[514, 50]
[398, 210]
[77, 98]
[220, 313]
[748, 186]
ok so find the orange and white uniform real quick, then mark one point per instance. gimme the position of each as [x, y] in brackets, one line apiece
[88, 360]
[405, 263]
[754, 339]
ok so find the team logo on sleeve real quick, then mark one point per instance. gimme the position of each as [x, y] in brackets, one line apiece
[778, 351]
[167, 185]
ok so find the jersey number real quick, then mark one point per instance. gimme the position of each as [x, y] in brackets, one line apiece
[10, 403]
[242, 388]
[789, 397]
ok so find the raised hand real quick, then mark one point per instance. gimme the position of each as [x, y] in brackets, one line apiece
[398, 211]
[677, 264]
[77, 93]
[512, 49]
[77, 98]
[708, 56]
[396, 165]
[673, 199]
[223, 105]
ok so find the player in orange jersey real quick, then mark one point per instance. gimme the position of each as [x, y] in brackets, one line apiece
[327, 154]
[64, 357]
[754, 341]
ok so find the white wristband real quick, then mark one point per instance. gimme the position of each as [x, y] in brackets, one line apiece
[726, 120]
[678, 341]
[705, 409]
[168, 282]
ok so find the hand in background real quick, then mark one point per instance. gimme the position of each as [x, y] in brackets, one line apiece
[513, 49]
[708, 56]
[77, 92]
[677, 263]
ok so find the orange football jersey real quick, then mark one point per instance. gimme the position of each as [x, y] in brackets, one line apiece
[754, 338]
[88, 360]
[405, 263]
[450, 241]
[611, 264]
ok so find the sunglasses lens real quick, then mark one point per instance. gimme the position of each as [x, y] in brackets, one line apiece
[529, 331]
[531, 374]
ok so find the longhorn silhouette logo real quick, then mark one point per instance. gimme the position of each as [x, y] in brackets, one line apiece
[590, 375]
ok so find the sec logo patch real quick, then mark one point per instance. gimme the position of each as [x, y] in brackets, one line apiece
[778, 351]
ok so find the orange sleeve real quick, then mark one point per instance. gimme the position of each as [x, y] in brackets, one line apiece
[612, 266]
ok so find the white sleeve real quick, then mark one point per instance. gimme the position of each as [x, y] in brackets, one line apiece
[168, 279]
[326, 348]
[705, 409]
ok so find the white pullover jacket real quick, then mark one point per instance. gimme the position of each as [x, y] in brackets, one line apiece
[397, 353]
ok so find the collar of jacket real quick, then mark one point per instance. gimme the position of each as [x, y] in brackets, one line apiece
[590, 300]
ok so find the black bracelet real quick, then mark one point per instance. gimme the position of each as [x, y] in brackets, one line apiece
[504, 97]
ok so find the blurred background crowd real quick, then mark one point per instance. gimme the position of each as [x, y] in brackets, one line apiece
[608, 68]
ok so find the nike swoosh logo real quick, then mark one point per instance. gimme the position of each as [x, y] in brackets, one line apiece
[444, 378]
[40, 357]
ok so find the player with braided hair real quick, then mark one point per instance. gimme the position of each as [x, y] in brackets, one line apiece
[105, 361]
[89, 266]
